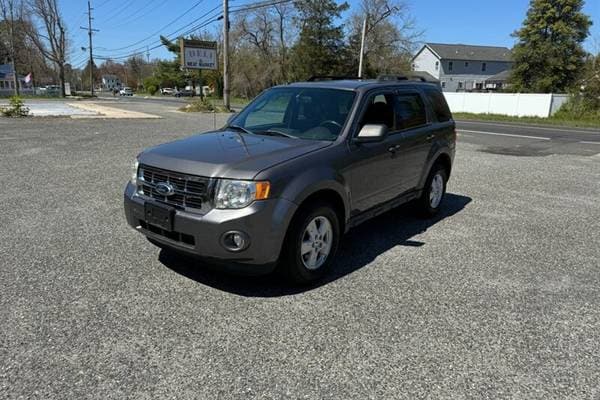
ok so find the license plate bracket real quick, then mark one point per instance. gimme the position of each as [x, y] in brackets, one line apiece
[159, 215]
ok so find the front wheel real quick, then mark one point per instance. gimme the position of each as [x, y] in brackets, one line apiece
[311, 244]
[434, 191]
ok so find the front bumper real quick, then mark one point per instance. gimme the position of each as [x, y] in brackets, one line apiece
[265, 222]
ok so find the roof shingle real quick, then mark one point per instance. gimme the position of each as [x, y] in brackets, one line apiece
[470, 53]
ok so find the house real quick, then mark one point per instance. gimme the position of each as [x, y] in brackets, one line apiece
[461, 67]
[7, 84]
[110, 82]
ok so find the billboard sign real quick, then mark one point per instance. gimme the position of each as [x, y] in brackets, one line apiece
[198, 54]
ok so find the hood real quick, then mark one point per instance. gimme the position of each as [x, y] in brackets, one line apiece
[227, 154]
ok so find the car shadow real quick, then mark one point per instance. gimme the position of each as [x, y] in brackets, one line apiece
[358, 249]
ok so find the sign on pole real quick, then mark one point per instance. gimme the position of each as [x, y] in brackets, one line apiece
[198, 54]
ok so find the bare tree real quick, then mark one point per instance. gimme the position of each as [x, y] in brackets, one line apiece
[12, 13]
[391, 34]
[49, 35]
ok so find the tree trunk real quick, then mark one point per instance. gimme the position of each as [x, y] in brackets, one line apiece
[61, 78]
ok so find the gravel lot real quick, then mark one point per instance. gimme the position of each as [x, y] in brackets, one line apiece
[498, 298]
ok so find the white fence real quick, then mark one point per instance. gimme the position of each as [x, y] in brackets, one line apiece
[513, 104]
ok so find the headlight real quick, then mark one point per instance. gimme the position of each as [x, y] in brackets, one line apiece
[134, 171]
[239, 194]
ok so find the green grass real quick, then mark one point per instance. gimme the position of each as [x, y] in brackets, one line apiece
[557, 120]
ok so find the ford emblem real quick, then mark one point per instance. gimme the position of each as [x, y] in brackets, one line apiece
[164, 188]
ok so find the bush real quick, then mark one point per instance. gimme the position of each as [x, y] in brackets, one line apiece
[16, 108]
[200, 105]
[151, 90]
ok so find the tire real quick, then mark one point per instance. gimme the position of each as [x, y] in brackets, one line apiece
[430, 204]
[299, 268]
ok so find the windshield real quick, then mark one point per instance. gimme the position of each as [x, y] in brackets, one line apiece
[303, 113]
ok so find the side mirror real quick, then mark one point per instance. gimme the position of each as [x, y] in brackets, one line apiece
[371, 133]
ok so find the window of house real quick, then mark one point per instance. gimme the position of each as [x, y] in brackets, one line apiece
[443, 84]
[410, 111]
[460, 85]
[450, 66]
[437, 65]
[484, 67]
[466, 64]
[439, 104]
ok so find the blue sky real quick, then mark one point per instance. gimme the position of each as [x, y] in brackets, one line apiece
[122, 23]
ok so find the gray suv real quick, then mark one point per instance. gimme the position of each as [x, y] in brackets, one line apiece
[293, 171]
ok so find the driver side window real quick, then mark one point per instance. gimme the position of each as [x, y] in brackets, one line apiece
[380, 111]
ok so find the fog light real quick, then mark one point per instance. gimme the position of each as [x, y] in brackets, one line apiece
[235, 241]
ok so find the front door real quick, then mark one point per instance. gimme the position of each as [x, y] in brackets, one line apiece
[373, 165]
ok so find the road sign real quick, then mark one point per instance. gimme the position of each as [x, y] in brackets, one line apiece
[198, 54]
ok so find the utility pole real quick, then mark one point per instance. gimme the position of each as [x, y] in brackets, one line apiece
[12, 48]
[362, 47]
[148, 54]
[90, 32]
[226, 54]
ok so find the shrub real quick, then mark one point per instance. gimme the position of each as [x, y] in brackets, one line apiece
[200, 105]
[151, 89]
[16, 108]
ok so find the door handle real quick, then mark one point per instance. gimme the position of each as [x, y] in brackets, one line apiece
[430, 138]
[393, 149]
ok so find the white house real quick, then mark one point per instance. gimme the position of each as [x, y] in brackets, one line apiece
[461, 68]
[110, 82]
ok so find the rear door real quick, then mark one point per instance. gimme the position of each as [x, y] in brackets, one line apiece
[416, 136]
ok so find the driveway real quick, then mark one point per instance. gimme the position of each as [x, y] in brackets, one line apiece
[496, 298]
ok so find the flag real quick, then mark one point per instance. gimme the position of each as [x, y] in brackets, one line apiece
[28, 78]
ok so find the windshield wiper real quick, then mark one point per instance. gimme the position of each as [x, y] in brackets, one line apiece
[239, 128]
[273, 132]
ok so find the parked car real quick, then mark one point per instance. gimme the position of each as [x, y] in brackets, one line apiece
[167, 91]
[185, 93]
[293, 171]
[126, 91]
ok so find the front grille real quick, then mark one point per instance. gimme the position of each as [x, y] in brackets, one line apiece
[190, 191]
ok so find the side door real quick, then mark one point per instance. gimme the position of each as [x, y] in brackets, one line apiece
[373, 165]
[417, 137]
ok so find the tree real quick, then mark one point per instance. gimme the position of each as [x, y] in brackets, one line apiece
[11, 12]
[320, 49]
[49, 35]
[390, 38]
[549, 55]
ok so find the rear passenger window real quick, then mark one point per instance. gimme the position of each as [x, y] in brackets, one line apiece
[440, 107]
[411, 111]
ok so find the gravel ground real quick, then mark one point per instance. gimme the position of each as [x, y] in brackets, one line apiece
[497, 298]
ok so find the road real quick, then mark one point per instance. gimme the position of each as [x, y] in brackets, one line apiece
[529, 140]
[497, 298]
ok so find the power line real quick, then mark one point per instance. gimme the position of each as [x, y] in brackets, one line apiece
[141, 50]
[130, 20]
[160, 30]
[177, 32]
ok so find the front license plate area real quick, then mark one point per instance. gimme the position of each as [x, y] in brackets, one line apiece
[159, 215]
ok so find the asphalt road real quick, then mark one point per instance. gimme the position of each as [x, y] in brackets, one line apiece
[498, 298]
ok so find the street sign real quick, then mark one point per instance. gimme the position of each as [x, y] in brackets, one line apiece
[198, 54]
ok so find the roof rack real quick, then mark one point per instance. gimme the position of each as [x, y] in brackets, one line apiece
[318, 78]
[414, 77]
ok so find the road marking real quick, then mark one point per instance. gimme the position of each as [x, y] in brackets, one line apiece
[506, 134]
[558, 129]
[590, 142]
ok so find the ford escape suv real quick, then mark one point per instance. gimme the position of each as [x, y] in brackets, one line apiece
[293, 171]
